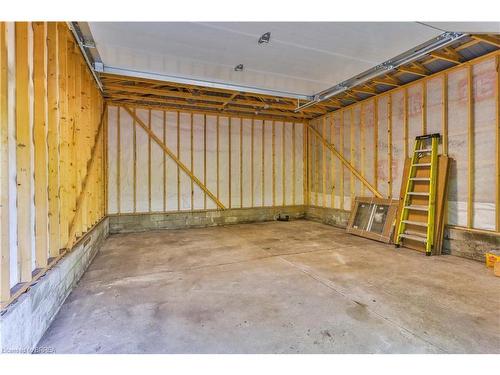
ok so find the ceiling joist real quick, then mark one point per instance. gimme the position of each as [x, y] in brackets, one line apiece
[177, 96]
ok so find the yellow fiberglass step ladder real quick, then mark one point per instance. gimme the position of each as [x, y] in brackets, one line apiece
[421, 150]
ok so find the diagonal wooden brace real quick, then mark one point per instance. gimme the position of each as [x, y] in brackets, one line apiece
[344, 161]
[174, 158]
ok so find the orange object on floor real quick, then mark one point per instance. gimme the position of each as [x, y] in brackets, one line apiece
[492, 257]
[496, 269]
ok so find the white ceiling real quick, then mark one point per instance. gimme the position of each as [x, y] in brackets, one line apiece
[302, 58]
[468, 27]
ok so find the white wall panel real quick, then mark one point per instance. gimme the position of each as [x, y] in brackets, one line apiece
[157, 170]
[398, 156]
[112, 158]
[484, 80]
[127, 162]
[457, 147]
[299, 163]
[198, 160]
[185, 158]
[172, 168]
[235, 125]
[278, 162]
[224, 160]
[246, 161]
[268, 166]
[211, 159]
[142, 165]
[257, 164]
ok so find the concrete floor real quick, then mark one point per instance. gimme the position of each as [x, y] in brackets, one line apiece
[276, 287]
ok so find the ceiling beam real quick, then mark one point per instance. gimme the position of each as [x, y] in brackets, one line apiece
[196, 82]
[412, 70]
[179, 102]
[387, 80]
[488, 39]
[112, 88]
[446, 57]
[208, 110]
[365, 90]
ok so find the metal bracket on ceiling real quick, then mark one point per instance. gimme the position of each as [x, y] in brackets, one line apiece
[411, 55]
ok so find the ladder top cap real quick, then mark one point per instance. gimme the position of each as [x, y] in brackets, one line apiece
[428, 136]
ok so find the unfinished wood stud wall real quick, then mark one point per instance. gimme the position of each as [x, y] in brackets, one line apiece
[52, 173]
[461, 103]
[219, 162]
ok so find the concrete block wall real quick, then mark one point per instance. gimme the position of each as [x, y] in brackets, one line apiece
[23, 323]
[471, 245]
[331, 216]
[193, 219]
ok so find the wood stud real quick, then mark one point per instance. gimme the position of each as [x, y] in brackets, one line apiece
[470, 147]
[5, 244]
[53, 126]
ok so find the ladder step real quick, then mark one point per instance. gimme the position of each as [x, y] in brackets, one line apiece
[413, 237]
[424, 150]
[418, 193]
[419, 223]
[420, 178]
[422, 165]
[417, 208]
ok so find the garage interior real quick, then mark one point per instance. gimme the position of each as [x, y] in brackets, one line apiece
[194, 187]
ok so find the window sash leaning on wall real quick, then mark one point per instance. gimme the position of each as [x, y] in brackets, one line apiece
[52, 155]
[461, 103]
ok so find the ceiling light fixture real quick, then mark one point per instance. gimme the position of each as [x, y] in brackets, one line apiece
[265, 38]
[238, 68]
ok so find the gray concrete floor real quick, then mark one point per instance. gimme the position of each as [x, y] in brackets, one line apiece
[277, 287]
